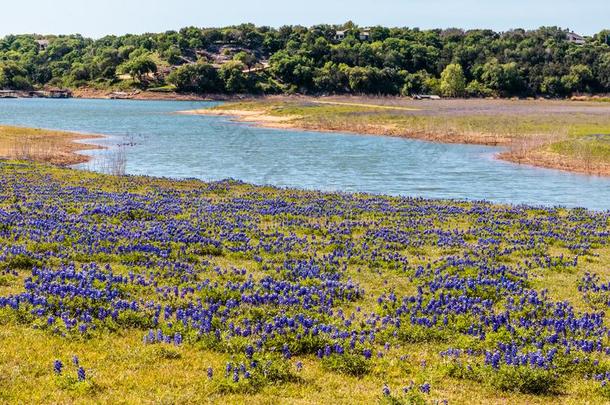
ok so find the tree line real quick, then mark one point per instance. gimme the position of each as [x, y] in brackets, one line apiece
[295, 59]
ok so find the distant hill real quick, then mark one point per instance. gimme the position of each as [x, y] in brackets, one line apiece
[322, 59]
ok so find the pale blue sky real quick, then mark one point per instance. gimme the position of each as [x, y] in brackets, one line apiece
[96, 18]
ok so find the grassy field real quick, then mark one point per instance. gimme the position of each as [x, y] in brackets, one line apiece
[190, 292]
[568, 135]
[41, 145]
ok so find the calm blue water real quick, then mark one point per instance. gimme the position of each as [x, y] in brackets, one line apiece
[213, 148]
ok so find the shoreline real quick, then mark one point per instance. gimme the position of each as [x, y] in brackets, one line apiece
[260, 118]
[60, 148]
[144, 95]
[533, 155]
[66, 145]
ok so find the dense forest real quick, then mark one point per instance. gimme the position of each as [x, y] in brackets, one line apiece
[322, 59]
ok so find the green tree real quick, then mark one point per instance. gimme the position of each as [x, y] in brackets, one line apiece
[415, 83]
[331, 78]
[80, 72]
[578, 79]
[292, 69]
[477, 89]
[552, 86]
[516, 62]
[196, 78]
[245, 58]
[453, 83]
[603, 72]
[505, 79]
[13, 76]
[139, 67]
[233, 77]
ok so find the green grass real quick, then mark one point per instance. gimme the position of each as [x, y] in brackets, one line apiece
[597, 149]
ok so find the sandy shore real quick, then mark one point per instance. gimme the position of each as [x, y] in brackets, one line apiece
[56, 147]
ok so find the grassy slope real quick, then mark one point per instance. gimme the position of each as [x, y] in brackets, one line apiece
[124, 370]
[534, 136]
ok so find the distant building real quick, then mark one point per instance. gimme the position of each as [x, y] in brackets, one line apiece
[365, 34]
[43, 44]
[340, 35]
[575, 38]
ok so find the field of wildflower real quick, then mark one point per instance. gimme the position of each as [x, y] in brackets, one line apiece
[123, 289]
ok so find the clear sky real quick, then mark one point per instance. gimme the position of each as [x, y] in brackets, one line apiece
[100, 17]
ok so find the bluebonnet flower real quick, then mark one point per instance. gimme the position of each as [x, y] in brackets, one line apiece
[286, 351]
[58, 366]
[486, 280]
[80, 373]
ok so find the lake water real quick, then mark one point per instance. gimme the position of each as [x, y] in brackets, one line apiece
[214, 148]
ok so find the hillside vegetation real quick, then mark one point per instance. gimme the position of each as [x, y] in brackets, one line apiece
[377, 60]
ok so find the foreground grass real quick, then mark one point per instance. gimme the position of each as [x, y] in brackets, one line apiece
[556, 134]
[41, 145]
[188, 243]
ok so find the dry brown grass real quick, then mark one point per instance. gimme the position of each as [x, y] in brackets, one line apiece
[41, 145]
[581, 161]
